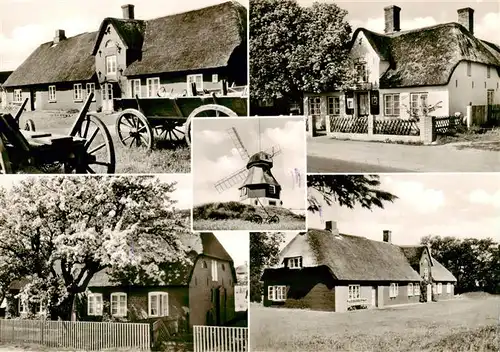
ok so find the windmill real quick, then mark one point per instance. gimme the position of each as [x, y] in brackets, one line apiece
[257, 184]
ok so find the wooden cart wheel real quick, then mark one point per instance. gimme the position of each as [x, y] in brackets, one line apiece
[273, 219]
[257, 219]
[99, 154]
[171, 130]
[30, 125]
[212, 110]
[5, 167]
[188, 133]
[134, 130]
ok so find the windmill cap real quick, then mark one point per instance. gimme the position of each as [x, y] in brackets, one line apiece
[260, 157]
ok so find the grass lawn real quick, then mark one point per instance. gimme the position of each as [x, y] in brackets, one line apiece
[457, 325]
[162, 159]
[237, 216]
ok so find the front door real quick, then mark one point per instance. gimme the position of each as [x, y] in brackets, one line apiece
[363, 104]
[374, 296]
[429, 292]
[107, 97]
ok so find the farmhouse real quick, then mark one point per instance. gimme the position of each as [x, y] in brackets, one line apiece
[3, 95]
[128, 57]
[326, 270]
[199, 293]
[405, 74]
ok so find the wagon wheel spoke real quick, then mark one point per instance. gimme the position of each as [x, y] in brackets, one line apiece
[134, 130]
[127, 138]
[91, 139]
[126, 124]
[90, 170]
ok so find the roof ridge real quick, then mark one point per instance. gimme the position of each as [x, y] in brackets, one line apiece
[194, 10]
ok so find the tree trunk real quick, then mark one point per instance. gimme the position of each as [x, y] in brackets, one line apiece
[65, 310]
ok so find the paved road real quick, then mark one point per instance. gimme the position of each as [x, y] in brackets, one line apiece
[357, 156]
[319, 164]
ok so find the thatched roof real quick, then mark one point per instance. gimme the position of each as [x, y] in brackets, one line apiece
[355, 258]
[131, 32]
[177, 274]
[68, 61]
[199, 39]
[414, 254]
[440, 273]
[427, 56]
[4, 75]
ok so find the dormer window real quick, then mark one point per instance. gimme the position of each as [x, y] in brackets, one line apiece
[111, 65]
[293, 263]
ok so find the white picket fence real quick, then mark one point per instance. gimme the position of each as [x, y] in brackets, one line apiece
[78, 335]
[220, 339]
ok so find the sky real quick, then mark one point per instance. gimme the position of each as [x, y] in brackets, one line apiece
[237, 245]
[460, 205]
[25, 24]
[370, 14]
[182, 194]
[215, 157]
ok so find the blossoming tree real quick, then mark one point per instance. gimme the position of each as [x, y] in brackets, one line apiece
[57, 232]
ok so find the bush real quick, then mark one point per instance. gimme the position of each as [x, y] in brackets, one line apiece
[296, 303]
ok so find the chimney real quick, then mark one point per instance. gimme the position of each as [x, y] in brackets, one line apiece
[60, 35]
[387, 236]
[392, 19]
[466, 18]
[128, 12]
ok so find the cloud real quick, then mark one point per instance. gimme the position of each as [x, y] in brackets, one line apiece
[488, 27]
[415, 194]
[480, 196]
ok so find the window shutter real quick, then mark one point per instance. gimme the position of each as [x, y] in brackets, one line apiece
[164, 304]
[374, 102]
[349, 103]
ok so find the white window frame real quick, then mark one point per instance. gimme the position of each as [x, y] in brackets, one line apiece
[77, 92]
[120, 311]
[276, 293]
[448, 288]
[18, 95]
[354, 292]
[215, 270]
[390, 108]
[135, 88]
[197, 78]
[439, 288]
[416, 290]
[272, 189]
[92, 297]
[23, 307]
[52, 94]
[469, 69]
[90, 88]
[361, 67]
[215, 78]
[244, 191]
[410, 290]
[434, 288]
[162, 308]
[314, 103]
[333, 106]
[416, 101]
[111, 65]
[294, 262]
[153, 86]
[393, 290]
[426, 273]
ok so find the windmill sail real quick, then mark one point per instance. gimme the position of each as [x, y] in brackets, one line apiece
[229, 181]
[273, 151]
[238, 144]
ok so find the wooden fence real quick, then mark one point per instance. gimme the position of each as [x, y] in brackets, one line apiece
[220, 339]
[349, 124]
[397, 127]
[447, 124]
[79, 335]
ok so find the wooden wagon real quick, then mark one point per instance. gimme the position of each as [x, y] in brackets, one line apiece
[141, 120]
[86, 148]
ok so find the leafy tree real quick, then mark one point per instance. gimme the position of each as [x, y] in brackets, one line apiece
[58, 232]
[295, 49]
[264, 250]
[474, 262]
[347, 190]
